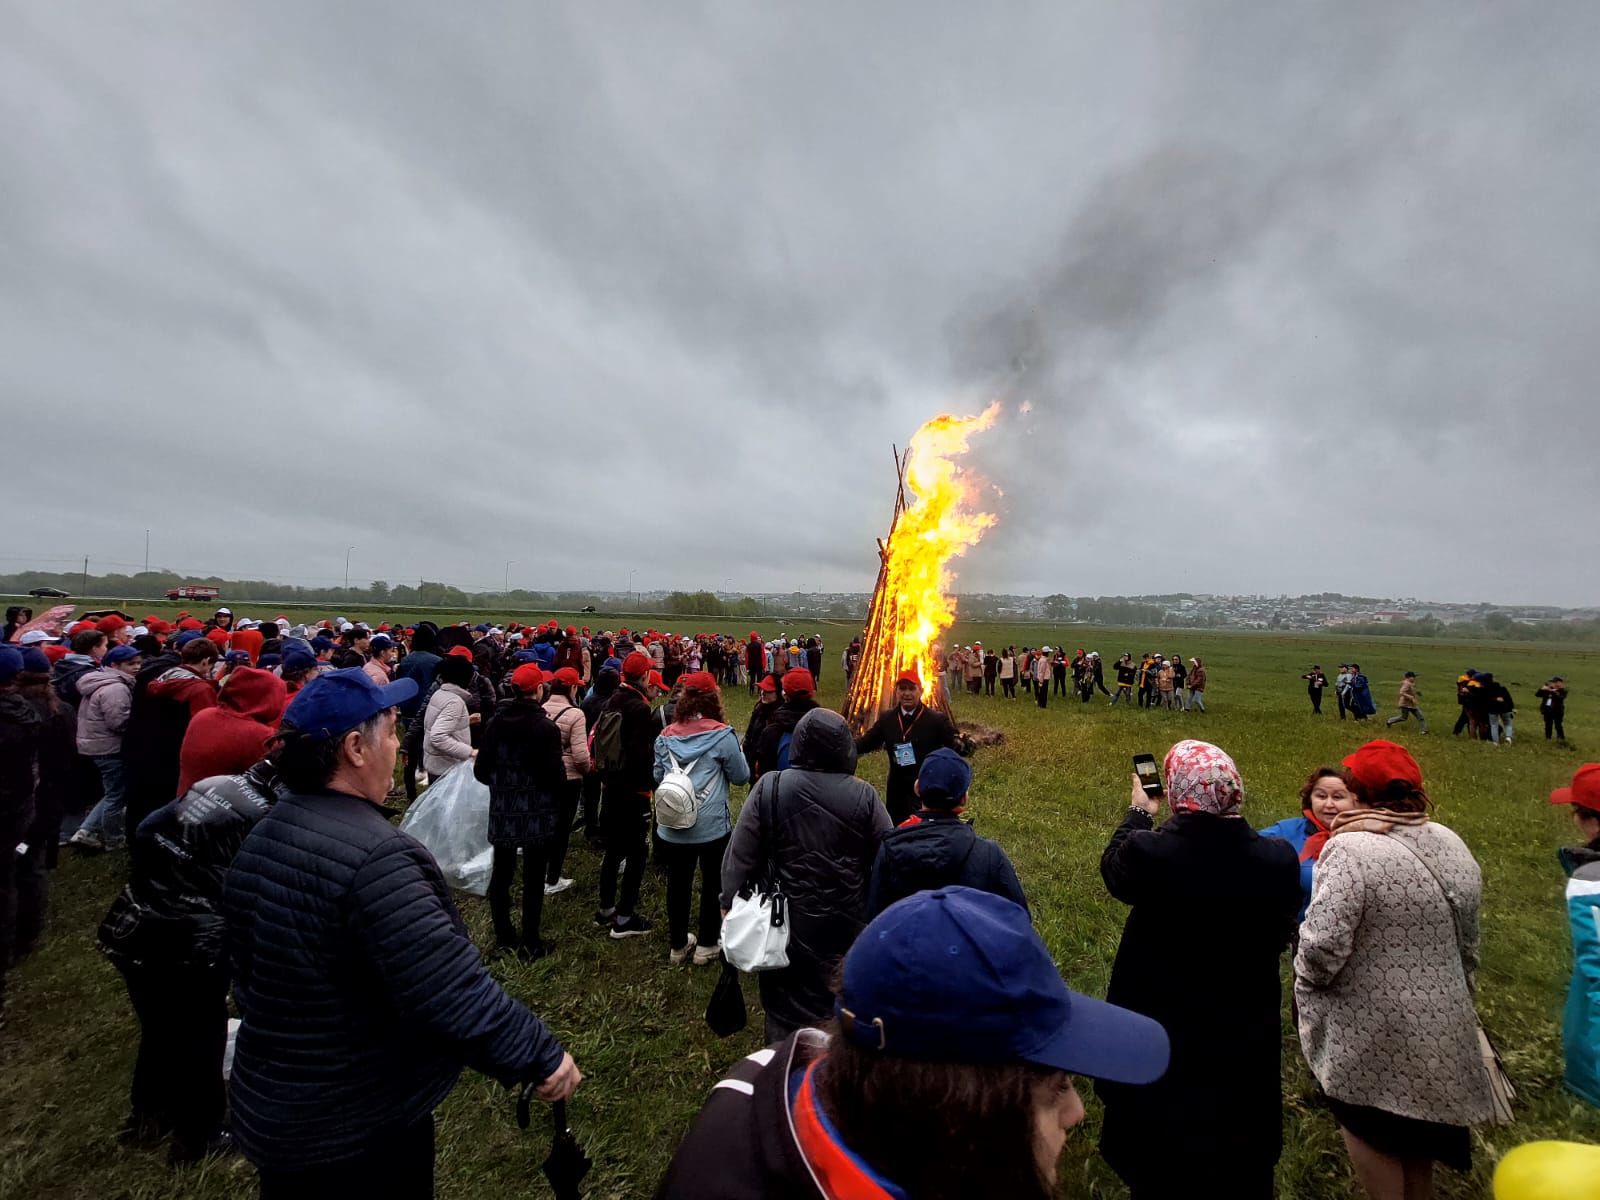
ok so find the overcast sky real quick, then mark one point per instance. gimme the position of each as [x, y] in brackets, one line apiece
[1298, 297]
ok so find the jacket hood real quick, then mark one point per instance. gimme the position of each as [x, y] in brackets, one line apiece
[690, 740]
[254, 693]
[940, 844]
[19, 710]
[822, 742]
[93, 681]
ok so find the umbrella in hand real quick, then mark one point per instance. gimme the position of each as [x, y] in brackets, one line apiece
[567, 1164]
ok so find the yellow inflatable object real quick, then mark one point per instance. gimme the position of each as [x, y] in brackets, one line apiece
[1549, 1171]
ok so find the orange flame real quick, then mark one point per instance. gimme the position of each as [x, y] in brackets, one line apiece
[938, 525]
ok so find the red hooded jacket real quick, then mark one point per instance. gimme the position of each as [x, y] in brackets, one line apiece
[232, 737]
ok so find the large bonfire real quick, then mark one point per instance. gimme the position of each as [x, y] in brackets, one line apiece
[911, 606]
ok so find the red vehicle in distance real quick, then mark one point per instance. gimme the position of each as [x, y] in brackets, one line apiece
[191, 591]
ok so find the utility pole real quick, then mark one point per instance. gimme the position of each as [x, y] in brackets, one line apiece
[84, 590]
[347, 569]
[507, 590]
[147, 552]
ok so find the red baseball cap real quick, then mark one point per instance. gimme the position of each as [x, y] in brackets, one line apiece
[909, 675]
[699, 681]
[636, 664]
[460, 652]
[567, 676]
[571, 629]
[191, 623]
[1378, 764]
[526, 678]
[1583, 791]
[798, 682]
[768, 684]
[110, 624]
[655, 681]
[55, 651]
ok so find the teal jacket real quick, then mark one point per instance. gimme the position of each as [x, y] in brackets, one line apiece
[1580, 1026]
[709, 751]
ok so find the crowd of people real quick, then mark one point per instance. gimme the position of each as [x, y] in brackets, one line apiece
[1150, 681]
[1487, 709]
[921, 1042]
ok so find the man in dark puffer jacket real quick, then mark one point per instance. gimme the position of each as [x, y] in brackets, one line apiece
[936, 848]
[361, 995]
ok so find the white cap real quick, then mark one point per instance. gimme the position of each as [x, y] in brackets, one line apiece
[34, 636]
[139, 631]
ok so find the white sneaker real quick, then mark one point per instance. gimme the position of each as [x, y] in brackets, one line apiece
[676, 957]
[86, 839]
[560, 885]
[707, 954]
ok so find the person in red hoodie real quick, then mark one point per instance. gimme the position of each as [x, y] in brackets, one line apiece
[249, 640]
[232, 737]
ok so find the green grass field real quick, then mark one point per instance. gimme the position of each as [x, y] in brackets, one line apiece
[1051, 796]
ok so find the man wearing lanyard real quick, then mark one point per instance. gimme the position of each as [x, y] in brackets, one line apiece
[910, 731]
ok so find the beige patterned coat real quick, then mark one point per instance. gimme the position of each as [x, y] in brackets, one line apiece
[1383, 975]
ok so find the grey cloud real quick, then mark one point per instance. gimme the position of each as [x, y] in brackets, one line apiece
[1298, 298]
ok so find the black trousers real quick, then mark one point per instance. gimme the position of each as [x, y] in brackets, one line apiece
[183, 1031]
[1058, 678]
[1554, 723]
[591, 806]
[1343, 707]
[988, 685]
[625, 819]
[396, 1165]
[1041, 693]
[683, 860]
[1008, 688]
[501, 874]
[571, 792]
[1316, 699]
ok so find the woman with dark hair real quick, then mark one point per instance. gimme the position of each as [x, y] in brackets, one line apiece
[946, 1071]
[576, 766]
[1384, 981]
[447, 721]
[1325, 794]
[1212, 906]
[17, 616]
[700, 740]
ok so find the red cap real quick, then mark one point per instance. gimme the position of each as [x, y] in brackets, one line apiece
[384, 628]
[1378, 764]
[527, 678]
[571, 630]
[459, 652]
[567, 676]
[909, 675]
[699, 681]
[157, 626]
[798, 682]
[1583, 791]
[768, 684]
[191, 623]
[219, 636]
[55, 651]
[585, 631]
[110, 624]
[636, 664]
[654, 680]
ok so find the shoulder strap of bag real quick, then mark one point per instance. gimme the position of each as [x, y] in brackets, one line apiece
[1455, 916]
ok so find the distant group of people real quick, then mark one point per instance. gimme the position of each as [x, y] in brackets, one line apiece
[1152, 681]
[1487, 709]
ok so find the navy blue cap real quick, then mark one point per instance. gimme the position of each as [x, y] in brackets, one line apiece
[237, 657]
[481, 628]
[187, 636]
[524, 656]
[319, 644]
[959, 975]
[10, 663]
[297, 658]
[120, 654]
[944, 773]
[269, 660]
[338, 701]
[381, 642]
[35, 660]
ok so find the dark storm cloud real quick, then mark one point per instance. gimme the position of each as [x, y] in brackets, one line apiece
[1296, 298]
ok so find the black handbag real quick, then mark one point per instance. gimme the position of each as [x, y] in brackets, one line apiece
[725, 1013]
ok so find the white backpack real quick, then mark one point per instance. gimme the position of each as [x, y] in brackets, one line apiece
[677, 802]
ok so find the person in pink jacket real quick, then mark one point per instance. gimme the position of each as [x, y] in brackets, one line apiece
[107, 696]
[575, 761]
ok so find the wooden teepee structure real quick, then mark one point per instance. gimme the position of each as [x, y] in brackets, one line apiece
[872, 686]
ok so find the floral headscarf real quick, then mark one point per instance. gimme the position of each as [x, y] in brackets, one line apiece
[1202, 778]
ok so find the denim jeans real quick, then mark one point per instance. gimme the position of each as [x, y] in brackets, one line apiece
[1499, 723]
[1197, 700]
[105, 818]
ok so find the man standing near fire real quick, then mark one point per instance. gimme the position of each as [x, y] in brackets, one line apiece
[910, 731]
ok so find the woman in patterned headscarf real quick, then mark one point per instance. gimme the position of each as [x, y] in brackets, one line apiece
[1212, 907]
[1384, 981]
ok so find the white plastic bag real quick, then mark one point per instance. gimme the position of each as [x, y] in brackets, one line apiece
[451, 819]
[755, 933]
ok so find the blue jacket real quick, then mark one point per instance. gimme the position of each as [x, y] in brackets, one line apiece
[361, 994]
[940, 850]
[1580, 1026]
[420, 665]
[1295, 831]
[713, 749]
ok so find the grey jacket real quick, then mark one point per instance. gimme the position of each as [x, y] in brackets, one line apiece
[817, 828]
[103, 715]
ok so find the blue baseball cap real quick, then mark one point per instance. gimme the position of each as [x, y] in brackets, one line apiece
[297, 658]
[10, 663]
[382, 642]
[187, 636]
[334, 703]
[944, 774]
[320, 644]
[959, 975]
[120, 654]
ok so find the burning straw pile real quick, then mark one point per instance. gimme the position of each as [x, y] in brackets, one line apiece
[910, 608]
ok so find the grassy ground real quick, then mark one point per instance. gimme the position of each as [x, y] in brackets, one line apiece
[1051, 795]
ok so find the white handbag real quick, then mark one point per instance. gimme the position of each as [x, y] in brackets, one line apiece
[755, 933]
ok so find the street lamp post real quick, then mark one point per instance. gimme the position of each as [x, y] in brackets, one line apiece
[347, 568]
[630, 587]
[510, 562]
